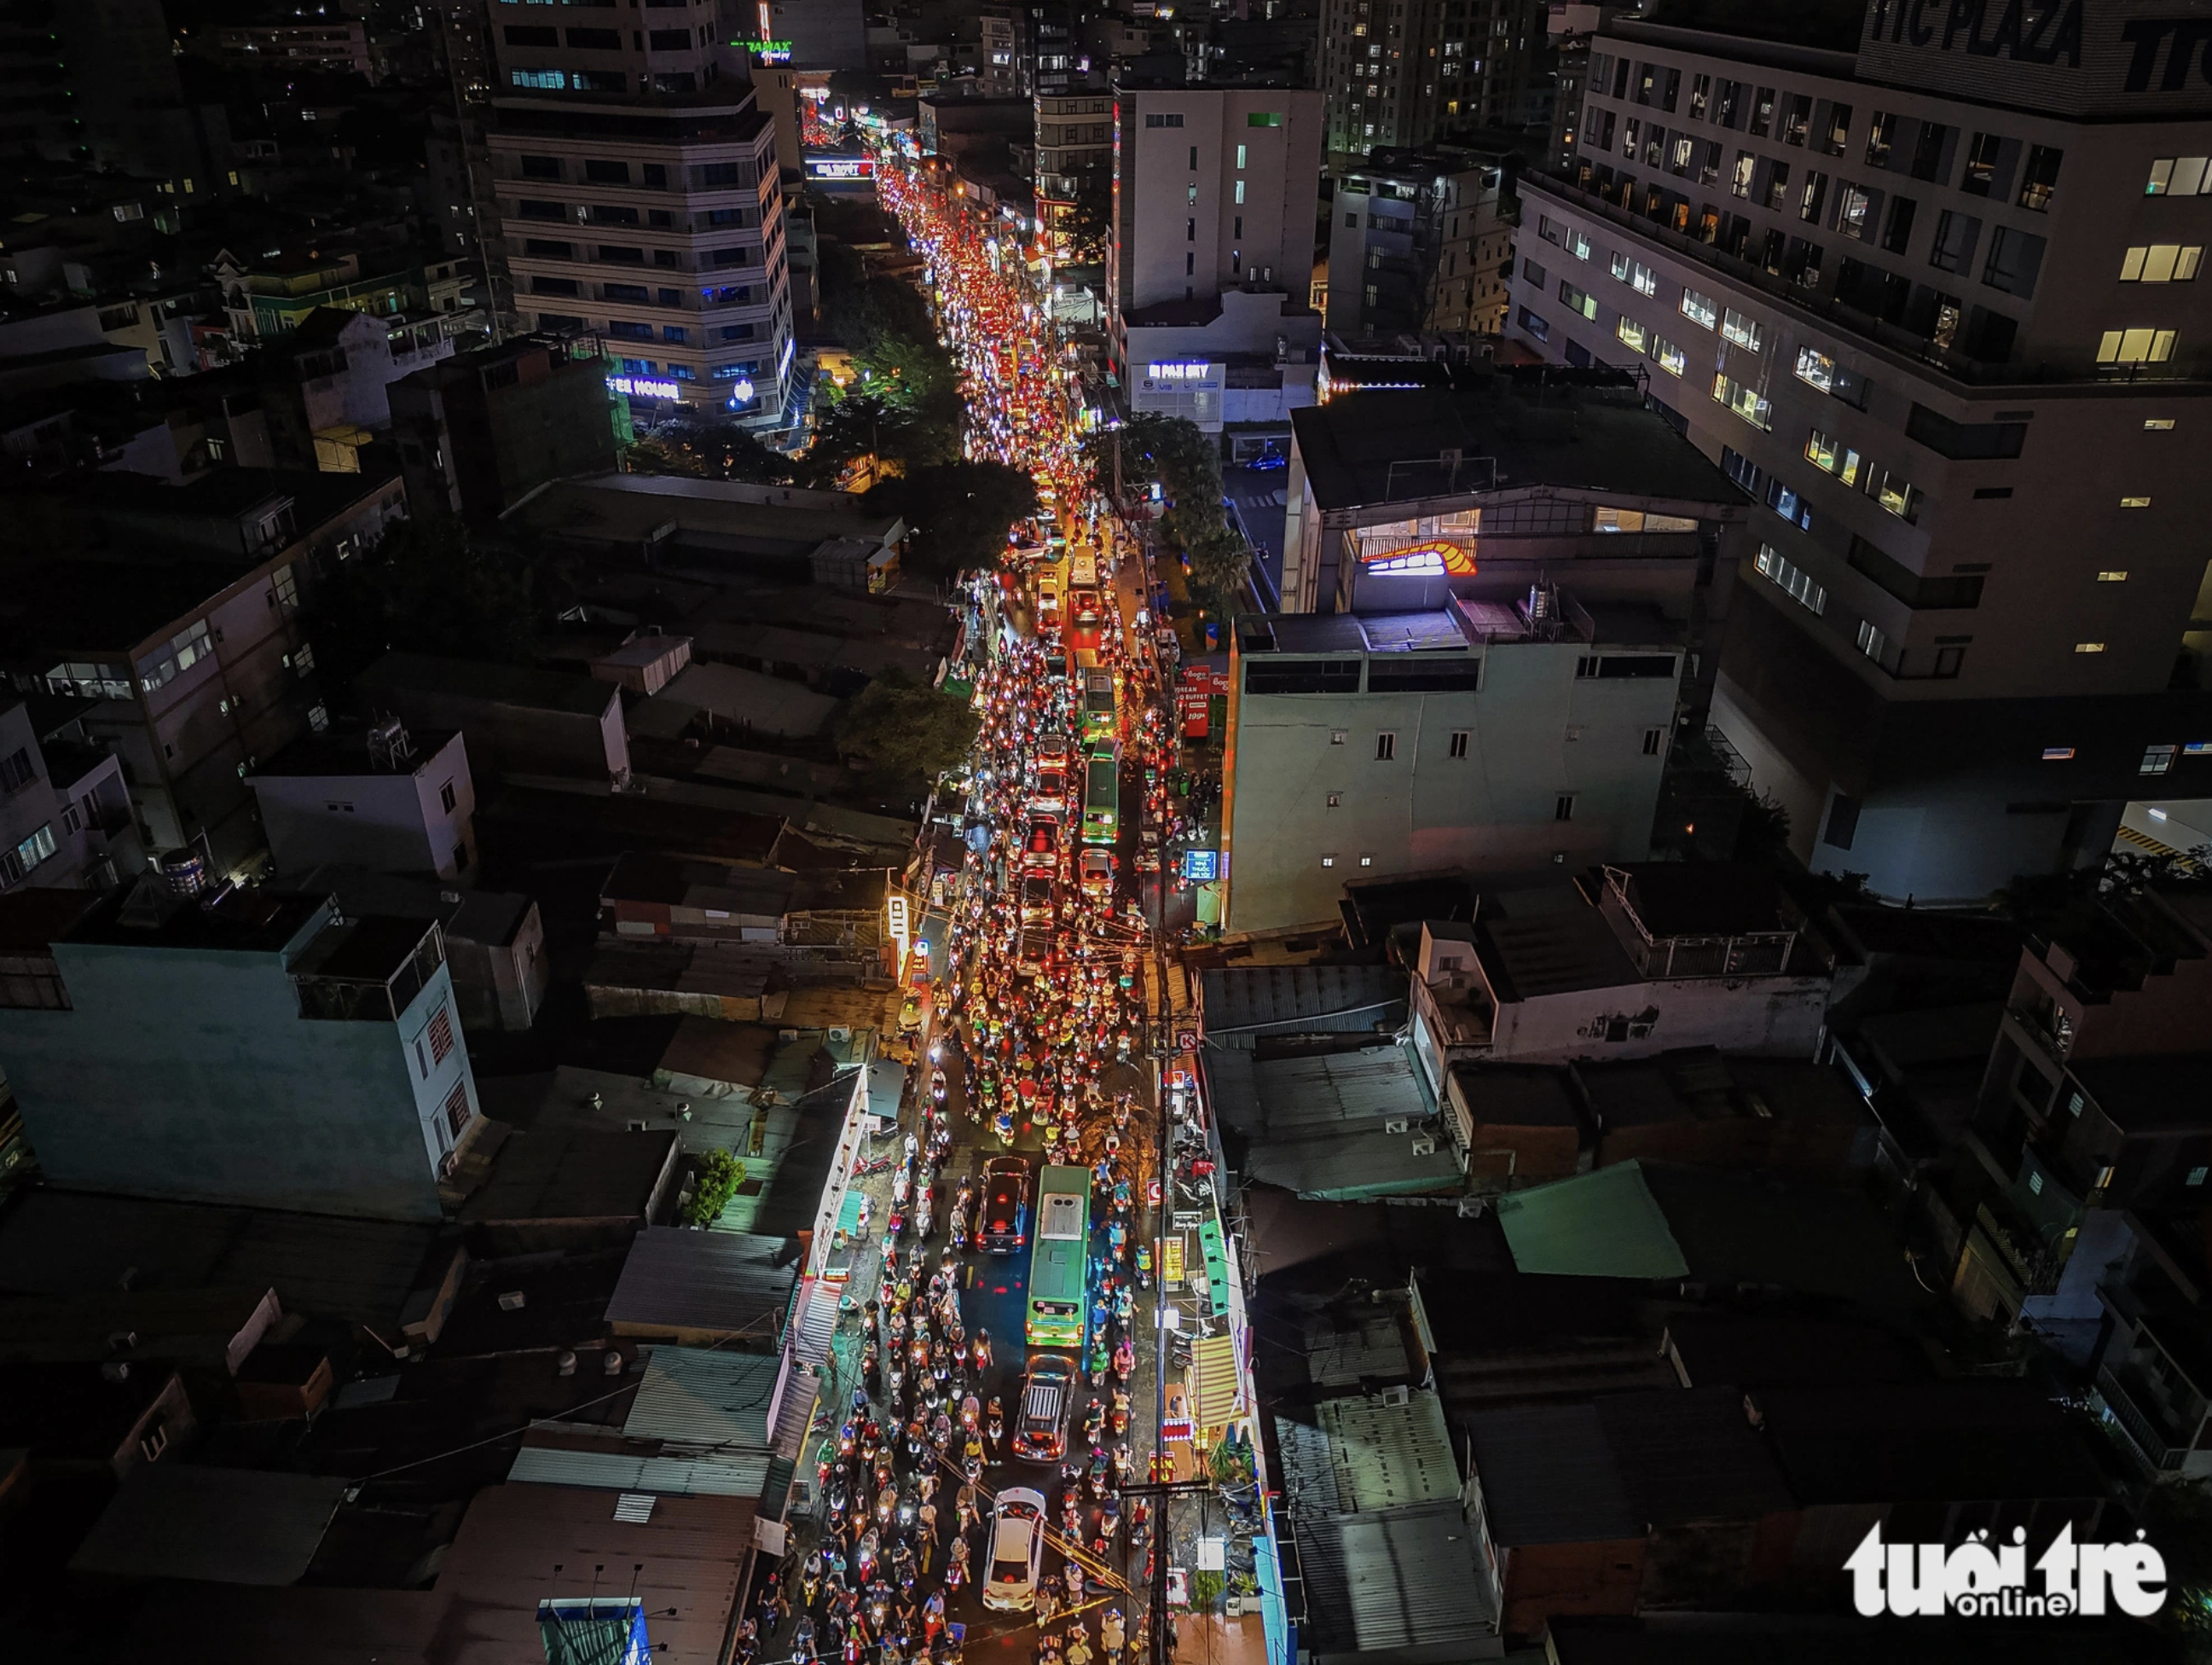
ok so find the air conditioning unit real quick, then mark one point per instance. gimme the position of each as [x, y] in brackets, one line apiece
[839, 1036]
[1397, 1124]
[1424, 1146]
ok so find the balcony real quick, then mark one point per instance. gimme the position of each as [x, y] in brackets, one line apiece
[2128, 1401]
[369, 971]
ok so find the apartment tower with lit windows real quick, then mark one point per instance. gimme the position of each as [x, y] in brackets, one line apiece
[1400, 74]
[638, 197]
[1931, 302]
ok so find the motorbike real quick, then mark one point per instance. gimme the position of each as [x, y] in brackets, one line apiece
[1094, 1424]
[1144, 1265]
[1125, 1360]
[1099, 1469]
[1120, 1414]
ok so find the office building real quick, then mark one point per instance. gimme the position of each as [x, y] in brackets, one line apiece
[1418, 245]
[1929, 307]
[1400, 74]
[1505, 596]
[237, 1047]
[1215, 192]
[809, 35]
[639, 199]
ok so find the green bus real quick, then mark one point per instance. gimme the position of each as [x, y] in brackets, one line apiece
[1099, 720]
[1059, 1292]
[1102, 794]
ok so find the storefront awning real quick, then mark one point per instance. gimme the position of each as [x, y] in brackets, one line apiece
[1215, 1402]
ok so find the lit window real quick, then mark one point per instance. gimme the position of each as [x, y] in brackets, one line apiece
[1895, 494]
[1636, 275]
[1745, 400]
[1670, 357]
[2161, 263]
[1743, 331]
[2088, 647]
[2157, 425]
[1632, 334]
[1872, 642]
[1367, 861]
[2156, 760]
[1700, 309]
[2113, 576]
[2135, 503]
[1328, 861]
[2058, 755]
[2141, 346]
[1792, 578]
[2196, 1176]
[2179, 176]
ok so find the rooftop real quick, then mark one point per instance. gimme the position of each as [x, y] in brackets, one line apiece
[240, 922]
[1301, 999]
[1583, 430]
[346, 754]
[1315, 1126]
[727, 1282]
[573, 1176]
[1603, 1224]
[229, 1525]
[727, 517]
[489, 683]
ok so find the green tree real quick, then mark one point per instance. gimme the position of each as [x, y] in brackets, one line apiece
[660, 454]
[431, 586]
[713, 1182]
[859, 425]
[1172, 452]
[908, 732]
[957, 514]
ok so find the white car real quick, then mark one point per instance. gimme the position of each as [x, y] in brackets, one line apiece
[1017, 1548]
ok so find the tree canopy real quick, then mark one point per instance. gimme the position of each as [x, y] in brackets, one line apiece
[1173, 453]
[908, 732]
[957, 514]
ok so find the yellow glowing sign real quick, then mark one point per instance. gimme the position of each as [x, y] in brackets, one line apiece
[1435, 557]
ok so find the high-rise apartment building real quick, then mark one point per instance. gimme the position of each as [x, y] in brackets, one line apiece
[1215, 193]
[639, 199]
[1400, 74]
[1418, 244]
[1075, 155]
[1930, 303]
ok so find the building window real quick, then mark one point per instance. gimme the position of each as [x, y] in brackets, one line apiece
[446, 796]
[1790, 577]
[1700, 309]
[1459, 740]
[1746, 401]
[1631, 333]
[1563, 806]
[1653, 740]
[1386, 746]
[1743, 331]
[2039, 178]
[2088, 647]
[1578, 300]
[457, 1109]
[1669, 357]
[2179, 176]
[2161, 263]
[2157, 760]
[1336, 800]
[1636, 275]
[1338, 736]
[1535, 326]
[2141, 346]
[1329, 860]
[16, 770]
[1871, 642]
[441, 1036]
[2135, 503]
[1851, 206]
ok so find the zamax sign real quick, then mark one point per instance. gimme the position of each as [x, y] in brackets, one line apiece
[1979, 1580]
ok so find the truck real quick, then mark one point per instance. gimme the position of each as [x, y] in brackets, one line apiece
[1082, 569]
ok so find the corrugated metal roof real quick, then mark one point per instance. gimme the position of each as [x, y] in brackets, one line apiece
[1605, 1223]
[705, 1398]
[1387, 1454]
[722, 1281]
[1372, 1347]
[1548, 1477]
[1404, 1579]
[730, 1474]
[1315, 1126]
[228, 1526]
[796, 1411]
[1241, 1001]
[1214, 1400]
